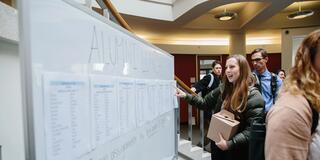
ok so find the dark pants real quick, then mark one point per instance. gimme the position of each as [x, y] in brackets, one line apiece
[206, 128]
[216, 152]
[238, 154]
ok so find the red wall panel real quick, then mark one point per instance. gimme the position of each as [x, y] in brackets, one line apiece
[274, 63]
[184, 68]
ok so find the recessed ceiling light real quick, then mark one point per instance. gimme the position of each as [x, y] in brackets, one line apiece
[225, 16]
[300, 14]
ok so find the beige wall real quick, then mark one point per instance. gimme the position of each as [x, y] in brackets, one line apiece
[203, 50]
[271, 48]
[237, 43]
[193, 49]
[8, 23]
[286, 47]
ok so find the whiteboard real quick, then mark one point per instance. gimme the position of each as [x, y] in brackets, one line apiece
[93, 91]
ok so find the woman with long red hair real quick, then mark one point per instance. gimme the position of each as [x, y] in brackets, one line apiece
[236, 95]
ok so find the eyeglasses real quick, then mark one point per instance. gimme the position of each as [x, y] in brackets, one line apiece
[256, 59]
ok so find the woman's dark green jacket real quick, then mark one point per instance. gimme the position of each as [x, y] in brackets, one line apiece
[254, 109]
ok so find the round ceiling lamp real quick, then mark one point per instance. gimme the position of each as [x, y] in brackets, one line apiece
[225, 16]
[300, 14]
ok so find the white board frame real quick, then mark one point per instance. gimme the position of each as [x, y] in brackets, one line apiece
[28, 72]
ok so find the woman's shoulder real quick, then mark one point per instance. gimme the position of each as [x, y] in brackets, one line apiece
[290, 105]
[288, 125]
[297, 102]
[255, 100]
[254, 96]
[253, 91]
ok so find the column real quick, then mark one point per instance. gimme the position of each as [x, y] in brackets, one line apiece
[237, 43]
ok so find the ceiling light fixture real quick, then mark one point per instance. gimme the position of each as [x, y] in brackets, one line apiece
[300, 14]
[226, 15]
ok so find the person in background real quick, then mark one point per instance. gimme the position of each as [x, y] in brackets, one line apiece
[269, 83]
[210, 81]
[282, 74]
[206, 85]
[237, 95]
[290, 121]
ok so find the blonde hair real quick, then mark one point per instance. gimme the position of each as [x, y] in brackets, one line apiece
[303, 78]
[235, 96]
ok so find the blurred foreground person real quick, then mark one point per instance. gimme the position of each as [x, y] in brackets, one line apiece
[292, 131]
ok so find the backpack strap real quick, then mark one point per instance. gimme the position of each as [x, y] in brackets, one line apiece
[211, 80]
[315, 118]
[273, 84]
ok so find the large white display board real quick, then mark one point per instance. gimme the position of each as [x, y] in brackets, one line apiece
[93, 91]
